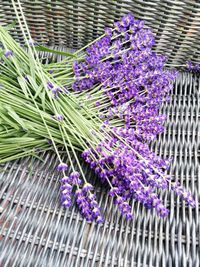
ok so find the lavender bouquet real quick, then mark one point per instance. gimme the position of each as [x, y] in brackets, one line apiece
[103, 101]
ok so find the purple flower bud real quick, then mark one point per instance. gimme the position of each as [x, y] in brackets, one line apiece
[96, 211]
[31, 42]
[65, 179]
[58, 117]
[98, 103]
[8, 53]
[26, 78]
[108, 32]
[87, 187]
[50, 85]
[100, 219]
[66, 203]
[74, 177]
[114, 191]
[49, 141]
[62, 167]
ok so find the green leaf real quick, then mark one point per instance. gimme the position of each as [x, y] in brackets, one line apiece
[8, 121]
[22, 83]
[16, 117]
[38, 88]
[46, 49]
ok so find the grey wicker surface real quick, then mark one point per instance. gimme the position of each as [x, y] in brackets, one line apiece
[35, 231]
[176, 23]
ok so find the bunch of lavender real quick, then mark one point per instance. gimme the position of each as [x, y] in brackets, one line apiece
[109, 110]
[124, 83]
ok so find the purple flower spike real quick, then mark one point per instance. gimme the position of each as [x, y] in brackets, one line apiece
[193, 67]
[62, 167]
[66, 189]
[185, 195]
[88, 205]
[8, 53]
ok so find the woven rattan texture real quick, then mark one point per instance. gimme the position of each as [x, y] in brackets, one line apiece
[176, 23]
[36, 232]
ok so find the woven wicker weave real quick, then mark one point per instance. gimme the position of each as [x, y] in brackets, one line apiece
[176, 23]
[34, 230]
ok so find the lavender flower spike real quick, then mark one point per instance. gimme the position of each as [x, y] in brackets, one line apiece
[193, 67]
[62, 167]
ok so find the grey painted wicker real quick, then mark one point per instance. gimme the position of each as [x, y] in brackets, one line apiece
[74, 23]
[36, 231]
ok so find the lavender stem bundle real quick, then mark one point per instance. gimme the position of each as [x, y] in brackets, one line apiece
[105, 103]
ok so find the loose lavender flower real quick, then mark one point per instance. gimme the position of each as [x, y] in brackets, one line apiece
[26, 78]
[50, 85]
[56, 91]
[8, 53]
[58, 117]
[62, 167]
[31, 42]
[49, 141]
